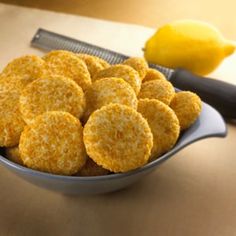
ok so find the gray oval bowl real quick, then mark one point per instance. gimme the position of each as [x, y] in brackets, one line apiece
[209, 124]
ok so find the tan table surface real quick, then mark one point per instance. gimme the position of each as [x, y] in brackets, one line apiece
[191, 194]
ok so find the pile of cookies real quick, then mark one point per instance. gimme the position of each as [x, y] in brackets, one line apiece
[75, 114]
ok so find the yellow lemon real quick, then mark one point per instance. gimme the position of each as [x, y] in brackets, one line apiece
[193, 45]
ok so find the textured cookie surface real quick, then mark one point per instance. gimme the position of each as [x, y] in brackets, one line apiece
[94, 64]
[118, 138]
[139, 64]
[157, 89]
[125, 72]
[11, 123]
[109, 90]
[67, 64]
[153, 74]
[187, 106]
[53, 143]
[163, 123]
[27, 68]
[54, 93]
[103, 62]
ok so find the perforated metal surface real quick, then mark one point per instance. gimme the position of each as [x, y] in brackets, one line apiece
[47, 41]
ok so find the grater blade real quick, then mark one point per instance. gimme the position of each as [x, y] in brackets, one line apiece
[48, 41]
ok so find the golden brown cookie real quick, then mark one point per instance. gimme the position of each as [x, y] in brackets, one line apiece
[94, 64]
[164, 125]
[27, 68]
[125, 72]
[118, 138]
[139, 64]
[103, 62]
[109, 90]
[153, 74]
[13, 154]
[187, 106]
[53, 143]
[54, 93]
[11, 123]
[157, 89]
[92, 169]
[67, 64]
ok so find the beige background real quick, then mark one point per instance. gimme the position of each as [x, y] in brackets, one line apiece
[150, 13]
[191, 194]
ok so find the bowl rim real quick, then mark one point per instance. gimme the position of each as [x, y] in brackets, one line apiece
[46, 175]
[19, 168]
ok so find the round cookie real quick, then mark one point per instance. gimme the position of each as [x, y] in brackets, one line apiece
[26, 68]
[109, 90]
[118, 138]
[157, 89]
[55, 93]
[67, 64]
[139, 64]
[92, 169]
[53, 143]
[11, 123]
[103, 62]
[13, 154]
[93, 64]
[187, 106]
[164, 125]
[125, 72]
[153, 74]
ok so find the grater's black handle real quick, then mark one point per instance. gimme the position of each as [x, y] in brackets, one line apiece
[219, 94]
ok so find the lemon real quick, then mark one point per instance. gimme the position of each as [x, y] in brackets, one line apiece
[193, 45]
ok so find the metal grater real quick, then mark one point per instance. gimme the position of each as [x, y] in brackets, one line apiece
[48, 41]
